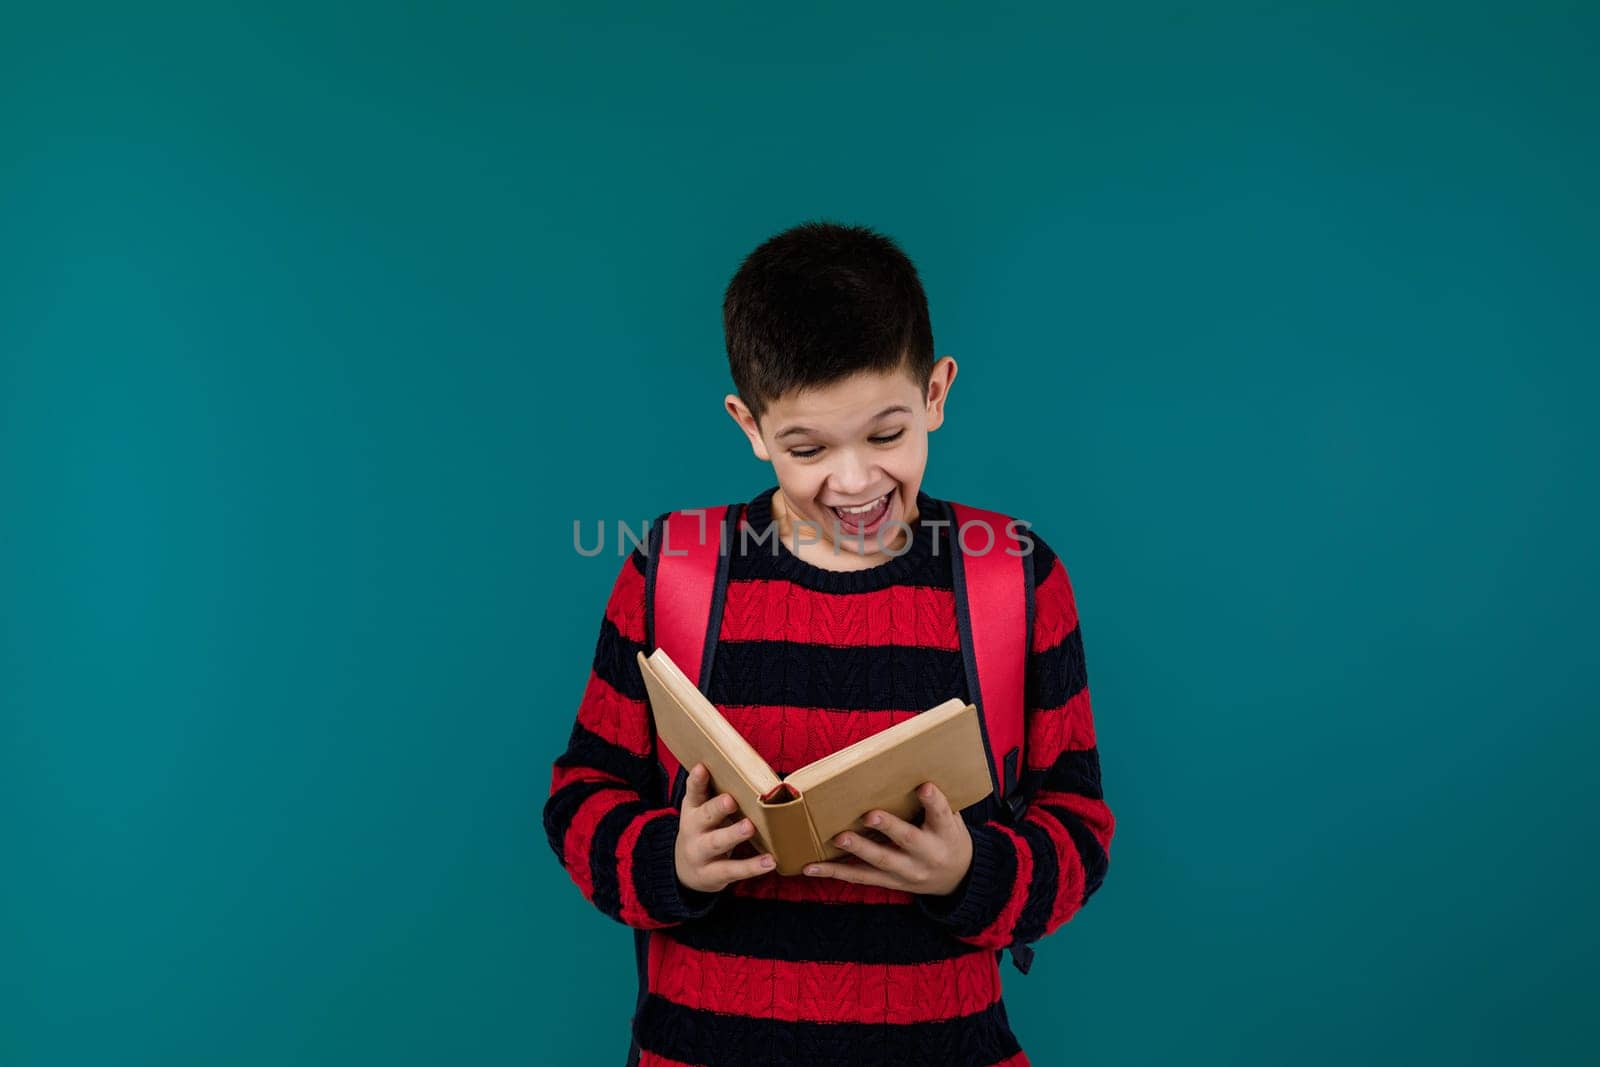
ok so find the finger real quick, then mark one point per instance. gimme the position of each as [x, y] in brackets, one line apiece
[694, 794]
[738, 870]
[884, 857]
[719, 841]
[859, 873]
[896, 829]
[936, 804]
[713, 811]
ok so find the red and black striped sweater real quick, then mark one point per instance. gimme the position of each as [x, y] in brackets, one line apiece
[809, 971]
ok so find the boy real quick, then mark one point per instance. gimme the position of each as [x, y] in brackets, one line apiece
[840, 626]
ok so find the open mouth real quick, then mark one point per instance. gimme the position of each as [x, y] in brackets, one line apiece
[865, 518]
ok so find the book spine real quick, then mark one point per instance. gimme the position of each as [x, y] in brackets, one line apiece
[790, 836]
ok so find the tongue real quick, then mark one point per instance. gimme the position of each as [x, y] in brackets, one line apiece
[854, 523]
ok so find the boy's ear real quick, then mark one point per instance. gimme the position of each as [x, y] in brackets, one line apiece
[939, 382]
[747, 423]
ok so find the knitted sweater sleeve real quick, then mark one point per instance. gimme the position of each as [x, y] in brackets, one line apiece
[1029, 878]
[603, 818]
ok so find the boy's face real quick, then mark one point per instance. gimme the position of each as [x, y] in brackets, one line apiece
[862, 440]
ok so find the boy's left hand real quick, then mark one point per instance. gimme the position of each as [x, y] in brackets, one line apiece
[930, 859]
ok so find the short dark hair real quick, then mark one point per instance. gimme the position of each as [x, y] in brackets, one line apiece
[819, 302]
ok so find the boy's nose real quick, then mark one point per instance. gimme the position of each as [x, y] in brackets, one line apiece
[851, 478]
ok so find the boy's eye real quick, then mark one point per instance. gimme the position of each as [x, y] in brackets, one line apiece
[882, 439]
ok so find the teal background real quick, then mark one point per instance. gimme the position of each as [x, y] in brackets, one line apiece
[319, 327]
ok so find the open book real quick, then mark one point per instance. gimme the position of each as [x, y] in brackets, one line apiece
[797, 817]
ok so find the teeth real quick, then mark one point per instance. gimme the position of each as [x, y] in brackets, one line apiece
[863, 508]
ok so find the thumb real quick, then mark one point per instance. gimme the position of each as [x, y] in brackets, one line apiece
[694, 794]
[937, 806]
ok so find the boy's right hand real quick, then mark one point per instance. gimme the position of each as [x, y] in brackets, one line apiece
[703, 842]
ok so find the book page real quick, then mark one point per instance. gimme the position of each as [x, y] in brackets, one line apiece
[943, 745]
[727, 746]
[867, 747]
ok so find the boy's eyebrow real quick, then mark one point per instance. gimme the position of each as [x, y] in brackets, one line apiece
[791, 430]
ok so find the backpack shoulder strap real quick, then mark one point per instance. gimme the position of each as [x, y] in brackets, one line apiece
[993, 570]
[994, 612]
[686, 580]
